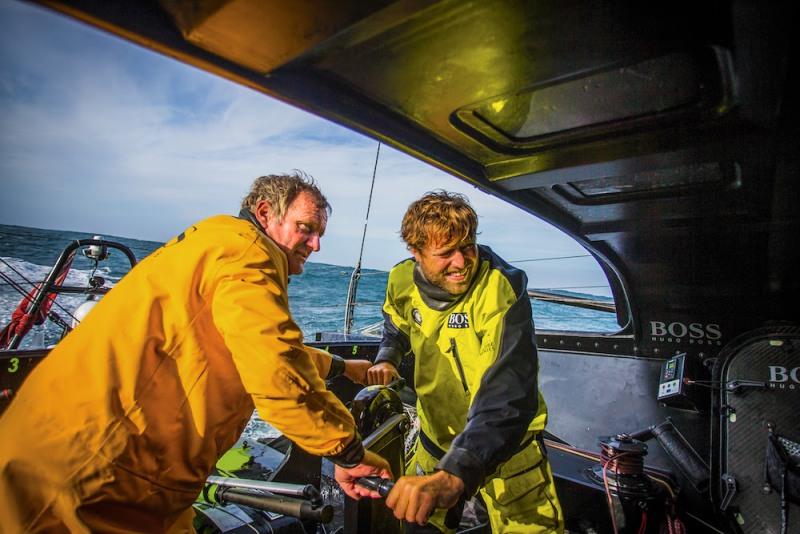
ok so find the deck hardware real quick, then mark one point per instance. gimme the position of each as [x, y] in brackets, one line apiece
[734, 386]
[729, 412]
[730, 491]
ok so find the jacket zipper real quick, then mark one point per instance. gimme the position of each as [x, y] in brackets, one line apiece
[454, 350]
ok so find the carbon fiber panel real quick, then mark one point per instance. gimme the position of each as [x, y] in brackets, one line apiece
[760, 385]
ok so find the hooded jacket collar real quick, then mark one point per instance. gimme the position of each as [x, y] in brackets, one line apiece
[433, 296]
[248, 216]
[437, 298]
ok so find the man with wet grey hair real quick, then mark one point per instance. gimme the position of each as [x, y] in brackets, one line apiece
[171, 364]
[280, 190]
[268, 203]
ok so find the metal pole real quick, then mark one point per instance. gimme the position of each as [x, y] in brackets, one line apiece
[352, 288]
[298, 490]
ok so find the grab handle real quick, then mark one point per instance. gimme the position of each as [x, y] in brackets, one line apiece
[383, 486]
[682, 454]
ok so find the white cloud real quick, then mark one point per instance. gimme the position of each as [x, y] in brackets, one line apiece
[103, 137]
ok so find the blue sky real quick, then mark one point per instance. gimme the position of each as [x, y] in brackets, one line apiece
[104, 137]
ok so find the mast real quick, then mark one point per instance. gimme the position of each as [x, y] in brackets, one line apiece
[352, 288]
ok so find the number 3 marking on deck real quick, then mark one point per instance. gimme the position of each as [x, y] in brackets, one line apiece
[14, 365]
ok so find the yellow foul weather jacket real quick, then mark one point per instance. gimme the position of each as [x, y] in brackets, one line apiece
[119, 426]
[476, 377]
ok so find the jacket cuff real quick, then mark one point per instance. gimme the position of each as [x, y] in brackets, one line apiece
[463, 464]
[351, 455]
[337, 367]
[391, 355]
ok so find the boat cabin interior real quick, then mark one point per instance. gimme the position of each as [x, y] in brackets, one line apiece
[660, 136]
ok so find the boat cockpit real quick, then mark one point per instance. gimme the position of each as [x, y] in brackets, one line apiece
[662, 137]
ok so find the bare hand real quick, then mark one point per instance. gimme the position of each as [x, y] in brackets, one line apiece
[356, 370]
[414, 498]
[382, 373]
[371, 465]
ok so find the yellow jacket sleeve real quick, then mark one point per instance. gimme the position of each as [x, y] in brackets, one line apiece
[321, 360]
[251, 312]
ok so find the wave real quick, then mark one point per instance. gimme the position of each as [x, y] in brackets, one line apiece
[317, 298]
[24, 275]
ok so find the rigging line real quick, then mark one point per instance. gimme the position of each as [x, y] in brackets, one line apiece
[553, 258]
[10, 282]
[564, 287]
[352, 288]
[17, 272]
[369, 203]
[32, 284]
[336, 306]
[345, 273]
[53, 316]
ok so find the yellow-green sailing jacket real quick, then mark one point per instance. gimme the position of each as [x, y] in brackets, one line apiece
[119, 426]
[476, 363]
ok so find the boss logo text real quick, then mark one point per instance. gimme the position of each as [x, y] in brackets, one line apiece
[677, 332]
[458, 320]
[784, 378]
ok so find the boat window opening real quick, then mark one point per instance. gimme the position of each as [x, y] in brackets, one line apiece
[557, 305]
[560, 306]
[567, 310]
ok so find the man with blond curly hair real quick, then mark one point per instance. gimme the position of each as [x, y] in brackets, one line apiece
[464, 313]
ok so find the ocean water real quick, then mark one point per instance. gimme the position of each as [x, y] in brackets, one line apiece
[317, 297]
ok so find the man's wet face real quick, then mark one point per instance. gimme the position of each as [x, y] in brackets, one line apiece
[449, 266]
[299, 233]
